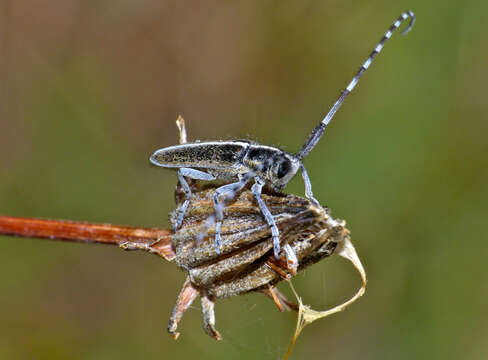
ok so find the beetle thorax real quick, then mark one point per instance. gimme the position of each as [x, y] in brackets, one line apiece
[271, 164]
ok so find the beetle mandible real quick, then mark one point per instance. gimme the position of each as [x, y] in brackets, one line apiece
[244, 160]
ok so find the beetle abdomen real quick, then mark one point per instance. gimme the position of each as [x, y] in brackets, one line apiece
[210, 155]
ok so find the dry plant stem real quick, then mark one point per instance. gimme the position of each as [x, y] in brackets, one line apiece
[129, 238]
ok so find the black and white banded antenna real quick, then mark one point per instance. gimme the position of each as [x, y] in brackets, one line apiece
[317, 133]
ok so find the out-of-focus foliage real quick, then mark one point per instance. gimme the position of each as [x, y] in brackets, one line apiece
[88, 89]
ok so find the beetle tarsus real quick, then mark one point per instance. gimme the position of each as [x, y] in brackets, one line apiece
[218, 238]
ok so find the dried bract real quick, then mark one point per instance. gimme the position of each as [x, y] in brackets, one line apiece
[246, 262]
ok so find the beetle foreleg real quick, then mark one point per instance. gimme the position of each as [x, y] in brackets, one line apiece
[256, 190]
[192, 174]
[308, 185]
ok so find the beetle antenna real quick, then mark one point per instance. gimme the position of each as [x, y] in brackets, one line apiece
[317, 133]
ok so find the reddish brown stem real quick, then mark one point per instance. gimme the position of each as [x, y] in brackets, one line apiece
[155, 240]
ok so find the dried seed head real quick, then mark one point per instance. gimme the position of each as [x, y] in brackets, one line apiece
[246, 262]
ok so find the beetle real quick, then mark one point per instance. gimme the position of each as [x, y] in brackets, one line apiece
[244, 160]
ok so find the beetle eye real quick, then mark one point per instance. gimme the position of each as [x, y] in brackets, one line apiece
[283, 169]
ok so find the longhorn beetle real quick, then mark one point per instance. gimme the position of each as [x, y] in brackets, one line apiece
[244, 160]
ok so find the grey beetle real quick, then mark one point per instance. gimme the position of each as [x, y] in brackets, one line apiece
[244, 160]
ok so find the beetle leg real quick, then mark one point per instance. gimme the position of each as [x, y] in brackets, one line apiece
[192, 174]
[185, 298]
[223, 194]
[208, 305]
[308, 186]
[256, 190]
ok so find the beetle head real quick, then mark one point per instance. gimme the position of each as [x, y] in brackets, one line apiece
[284, 167]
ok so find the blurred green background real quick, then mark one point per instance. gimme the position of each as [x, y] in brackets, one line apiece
[88, 89]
